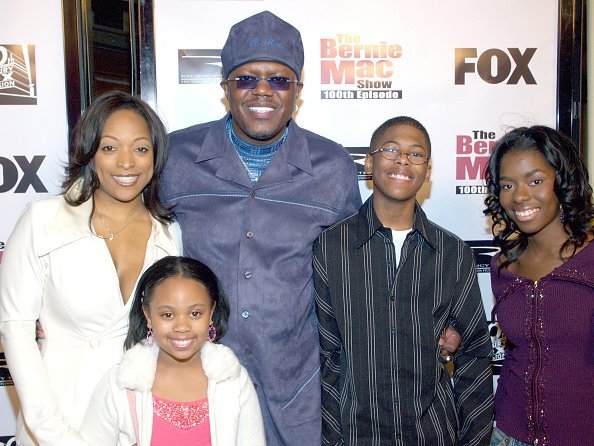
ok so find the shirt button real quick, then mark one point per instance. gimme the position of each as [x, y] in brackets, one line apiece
[247, 274]
[245, 314]
[393, 331]
[394, 366]
[398, 436]
[94, 343]
[392, 297]
[249, 234]
[253, 194]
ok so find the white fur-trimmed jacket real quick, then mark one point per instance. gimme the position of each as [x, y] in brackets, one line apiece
[234, 411]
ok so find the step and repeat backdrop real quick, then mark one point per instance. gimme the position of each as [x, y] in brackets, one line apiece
[33, 129]
[467, 71]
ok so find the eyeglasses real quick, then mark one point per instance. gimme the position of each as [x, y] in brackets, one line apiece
[392, 154]
[277, 83]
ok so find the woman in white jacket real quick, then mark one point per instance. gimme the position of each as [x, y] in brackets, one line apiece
[73, 261]
[175, 384]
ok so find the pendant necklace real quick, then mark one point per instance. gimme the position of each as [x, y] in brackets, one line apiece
[111, 233]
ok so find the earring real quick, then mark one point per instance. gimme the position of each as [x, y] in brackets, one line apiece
[561, 214]
[212, 333]
[149, 337]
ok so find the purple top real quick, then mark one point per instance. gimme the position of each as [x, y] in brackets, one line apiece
[546, 387]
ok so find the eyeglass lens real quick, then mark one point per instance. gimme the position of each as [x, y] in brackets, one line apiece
[394, 155]
[251, 82]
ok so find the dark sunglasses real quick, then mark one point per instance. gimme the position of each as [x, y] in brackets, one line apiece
[277, 83]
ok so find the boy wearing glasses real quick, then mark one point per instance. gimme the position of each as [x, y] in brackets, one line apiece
[388, 281]
[252, 192]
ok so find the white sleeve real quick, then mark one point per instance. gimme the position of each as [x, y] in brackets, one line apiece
[250, 430]
[108, 421]
[21, 288]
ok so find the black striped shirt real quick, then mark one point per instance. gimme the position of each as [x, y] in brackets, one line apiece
[383, 381]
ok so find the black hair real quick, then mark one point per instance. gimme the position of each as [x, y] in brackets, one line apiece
[166, 268]
[571, 188]
[85, 143]
[393, 122]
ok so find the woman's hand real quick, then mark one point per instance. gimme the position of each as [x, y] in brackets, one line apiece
[449, 342]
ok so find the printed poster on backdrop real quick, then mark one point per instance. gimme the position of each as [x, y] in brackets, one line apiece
[444, 64]
[34, 146]
[17, 73]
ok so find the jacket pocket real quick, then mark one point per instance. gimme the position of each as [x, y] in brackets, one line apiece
[304, 404]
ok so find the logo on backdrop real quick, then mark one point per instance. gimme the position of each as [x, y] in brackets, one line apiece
[358, 154]
[7, 441]
[498, 342]
[5, 378]
[199, 66]
[17, 75]
[483, 251]
[472, 156]
[494, 66]
[366, 69]
[21, 173]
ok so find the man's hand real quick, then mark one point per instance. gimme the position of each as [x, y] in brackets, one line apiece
[39, 334]
[449, 343]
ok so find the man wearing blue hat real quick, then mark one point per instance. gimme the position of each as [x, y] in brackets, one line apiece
[252, 192]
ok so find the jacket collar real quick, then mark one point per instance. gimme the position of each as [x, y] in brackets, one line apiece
[368, 224]
[293, 151]
[299, 155]
[577, 269]
[139, 364]
[72, 223]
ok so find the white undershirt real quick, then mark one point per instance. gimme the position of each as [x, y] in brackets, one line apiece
[398, 240]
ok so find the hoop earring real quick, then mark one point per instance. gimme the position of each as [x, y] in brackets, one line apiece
[149, 337]
[212, 333]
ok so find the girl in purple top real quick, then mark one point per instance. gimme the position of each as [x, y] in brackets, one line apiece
[543, 281]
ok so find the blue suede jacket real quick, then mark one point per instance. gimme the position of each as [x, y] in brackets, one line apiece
[258, 239]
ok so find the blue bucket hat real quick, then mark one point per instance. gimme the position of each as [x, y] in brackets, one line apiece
[263, 37]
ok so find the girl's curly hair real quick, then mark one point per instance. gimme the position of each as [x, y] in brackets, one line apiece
[571, 188]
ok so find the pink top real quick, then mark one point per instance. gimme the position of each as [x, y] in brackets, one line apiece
[182, 424]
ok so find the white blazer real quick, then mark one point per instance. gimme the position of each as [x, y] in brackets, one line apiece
[233, 408]
[54, 269]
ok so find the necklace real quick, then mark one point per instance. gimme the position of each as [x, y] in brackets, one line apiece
[111, 233]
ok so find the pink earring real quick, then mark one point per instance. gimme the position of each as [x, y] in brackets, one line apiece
[212, 333]
[149, 337]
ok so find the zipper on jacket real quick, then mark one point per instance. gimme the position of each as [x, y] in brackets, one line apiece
[537, 367]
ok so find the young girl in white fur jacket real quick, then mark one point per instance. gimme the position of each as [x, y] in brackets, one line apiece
[175, 384]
